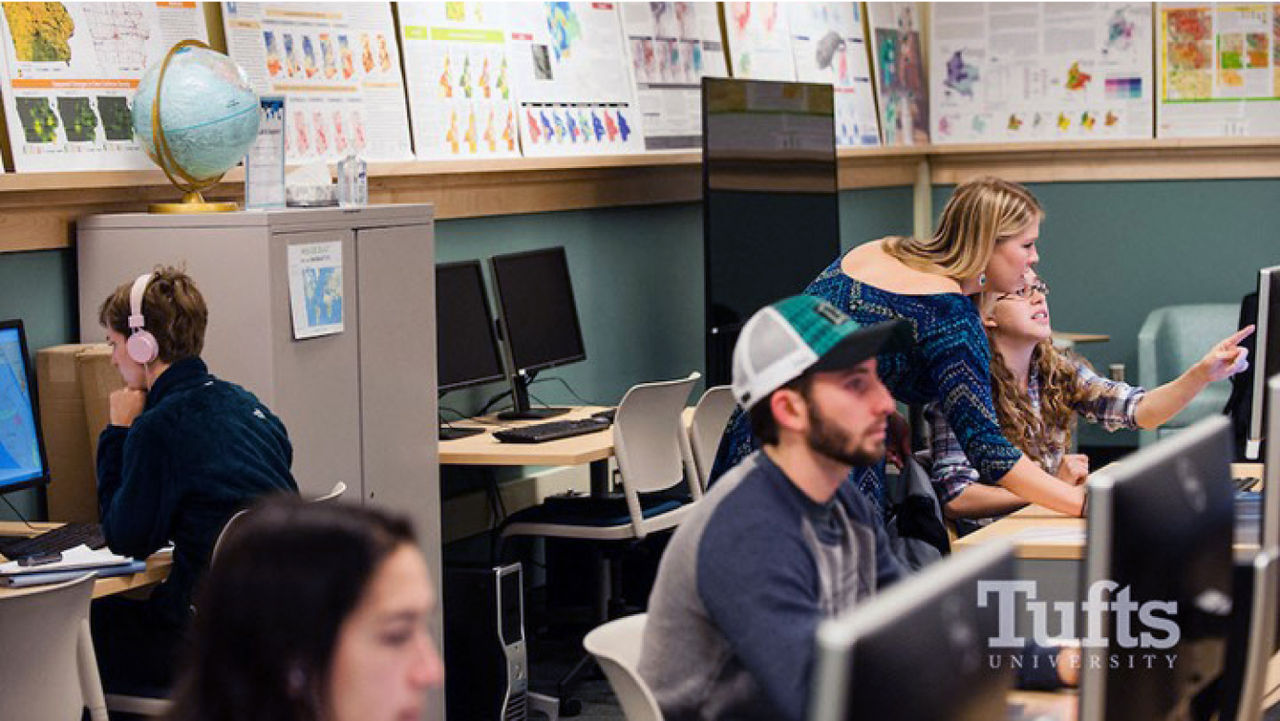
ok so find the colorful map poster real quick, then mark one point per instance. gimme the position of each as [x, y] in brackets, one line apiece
[573, 87]
[1219, 70]
[459, 79]
[315, 289]
[338, 65]
[896, 48]
[1009, 72]
[69, 73]
[828, 46]
[759, 41]
[672, 45]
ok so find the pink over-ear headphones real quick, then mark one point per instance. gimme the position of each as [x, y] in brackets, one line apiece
[141, 345]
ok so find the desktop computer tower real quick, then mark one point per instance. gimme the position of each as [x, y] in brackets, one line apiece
[486, 655]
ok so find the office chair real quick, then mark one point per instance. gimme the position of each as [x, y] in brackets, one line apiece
[333, 494]
[710, 417]
[48, 665]
[616, 647]
[652, 451]
[1170, 341]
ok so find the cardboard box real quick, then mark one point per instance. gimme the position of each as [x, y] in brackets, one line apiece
[98, 378]
[72, 492]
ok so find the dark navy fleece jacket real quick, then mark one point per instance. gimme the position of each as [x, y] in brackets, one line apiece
[201, 450]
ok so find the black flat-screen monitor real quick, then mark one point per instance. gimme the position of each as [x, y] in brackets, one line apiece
[466, 343]
[919, 651]
[23, 463]
[771, 219]
[1160, 539]
[1266, 356]
[539, 318]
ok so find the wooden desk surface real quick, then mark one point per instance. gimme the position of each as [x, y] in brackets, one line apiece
[1082, 337]
[485, 450]
[1057, 705]
[1040, 533]
[157, 569]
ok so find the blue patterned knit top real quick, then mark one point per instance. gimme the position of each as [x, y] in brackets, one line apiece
[949, 363]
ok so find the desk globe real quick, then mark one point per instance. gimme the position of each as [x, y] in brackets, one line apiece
[207, 116]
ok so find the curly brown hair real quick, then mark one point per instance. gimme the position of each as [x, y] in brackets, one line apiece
[1060, 390]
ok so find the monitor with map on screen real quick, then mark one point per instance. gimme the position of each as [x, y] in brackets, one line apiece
[22, 456]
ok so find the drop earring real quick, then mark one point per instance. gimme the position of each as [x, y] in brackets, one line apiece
[982, 279]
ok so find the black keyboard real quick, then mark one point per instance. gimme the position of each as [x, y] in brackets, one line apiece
[540, 432]
[55, 540]
[1245, 483]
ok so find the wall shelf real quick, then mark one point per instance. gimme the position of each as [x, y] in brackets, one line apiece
[38, 210]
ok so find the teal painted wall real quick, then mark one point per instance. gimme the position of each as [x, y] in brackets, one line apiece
[1111, 251]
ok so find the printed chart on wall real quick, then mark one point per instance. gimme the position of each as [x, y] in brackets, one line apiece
[672, 45]
[827, 43]
[759, 40]
[1007, 72]
[459, 80]
[1219, 70]
[338, 66]
[70, 70]
[573, 87]
[896, 49]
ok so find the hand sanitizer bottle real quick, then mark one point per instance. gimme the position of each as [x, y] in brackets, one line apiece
[353, 182]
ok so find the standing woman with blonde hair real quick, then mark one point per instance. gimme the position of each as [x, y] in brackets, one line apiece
[986, 240]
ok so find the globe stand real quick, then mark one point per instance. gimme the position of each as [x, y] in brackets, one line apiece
[192, 201]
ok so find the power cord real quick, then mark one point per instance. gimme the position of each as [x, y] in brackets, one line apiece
[569, 388]
[18, 513]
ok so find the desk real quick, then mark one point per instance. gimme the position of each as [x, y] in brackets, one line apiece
[1081, 337]
[157, 569]
[1059, 706]
[1038, 518]
[485, 450]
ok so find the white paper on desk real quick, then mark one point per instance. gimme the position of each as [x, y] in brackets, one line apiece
[72, 559]
[1059, 535]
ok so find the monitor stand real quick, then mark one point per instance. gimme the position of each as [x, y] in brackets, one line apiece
[520, 400]
[449, 433]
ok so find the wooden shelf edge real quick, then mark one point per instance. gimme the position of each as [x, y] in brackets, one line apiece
[39, 209]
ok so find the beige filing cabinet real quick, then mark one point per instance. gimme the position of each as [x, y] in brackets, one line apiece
[360, 406]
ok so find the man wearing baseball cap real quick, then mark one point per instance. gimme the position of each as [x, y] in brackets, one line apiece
[781, 541]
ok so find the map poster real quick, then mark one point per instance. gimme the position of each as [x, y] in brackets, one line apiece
[315, 288]
[759, 41]
[672, 46]
[338, 64]
[828, 46]
[1219, 70]
[1010, 72]
[459, 77]
[896, 49]
[573, 87]
[69, 74]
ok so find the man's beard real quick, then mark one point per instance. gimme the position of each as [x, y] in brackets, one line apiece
[834, 443]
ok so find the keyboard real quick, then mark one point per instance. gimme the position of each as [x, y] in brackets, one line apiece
[55, 540]
[541, 432]
[606, 414]
[1245, 483]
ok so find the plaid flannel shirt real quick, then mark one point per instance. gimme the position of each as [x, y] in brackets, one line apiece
[1114, 409]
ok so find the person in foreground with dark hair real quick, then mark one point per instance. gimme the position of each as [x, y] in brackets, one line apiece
[312, 612]
[183, 451]
[783, 541]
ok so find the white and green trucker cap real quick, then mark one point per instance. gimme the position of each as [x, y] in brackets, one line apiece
[785, 339]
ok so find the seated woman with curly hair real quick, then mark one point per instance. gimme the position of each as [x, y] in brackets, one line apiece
[1038, 390]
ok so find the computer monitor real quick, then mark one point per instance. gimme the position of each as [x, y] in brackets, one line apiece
[538, 319]
[23, 463]
[1266, 356]
[466, 343]
[1160, 528]
[919, 651]
[771, 201]
[1251, 643]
